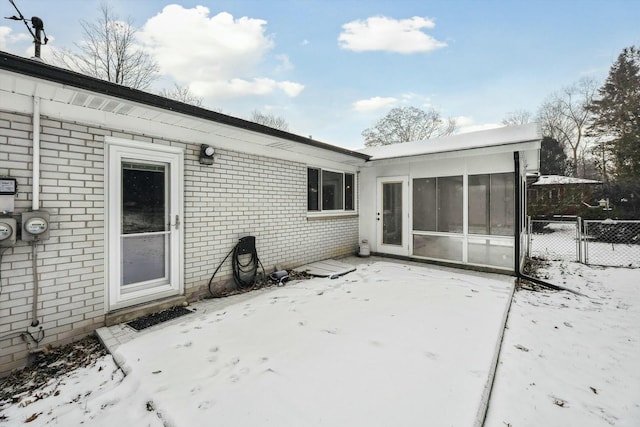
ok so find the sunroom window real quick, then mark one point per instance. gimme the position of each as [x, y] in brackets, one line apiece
[330, 191]
[491, 204]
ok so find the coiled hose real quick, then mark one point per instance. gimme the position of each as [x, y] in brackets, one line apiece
[244, 264]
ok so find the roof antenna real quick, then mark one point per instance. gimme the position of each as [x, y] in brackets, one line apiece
[38, 26]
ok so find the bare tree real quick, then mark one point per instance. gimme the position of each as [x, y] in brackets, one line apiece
[404, 124]
[270, 120]
[109, 52]
[517, 117]
[564, 117]
[182, 94]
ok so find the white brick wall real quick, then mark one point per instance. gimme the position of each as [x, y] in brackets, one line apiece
[239, 194]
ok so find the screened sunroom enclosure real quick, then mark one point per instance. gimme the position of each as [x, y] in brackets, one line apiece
[450, 200]
[442, 231]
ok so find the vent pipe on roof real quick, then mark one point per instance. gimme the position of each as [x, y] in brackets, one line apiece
[38, 26]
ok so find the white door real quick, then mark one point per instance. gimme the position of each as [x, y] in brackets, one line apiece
[144, 222]
[392, 216]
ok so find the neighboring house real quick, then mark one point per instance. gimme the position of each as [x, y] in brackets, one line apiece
[140, 213]
[560, 195]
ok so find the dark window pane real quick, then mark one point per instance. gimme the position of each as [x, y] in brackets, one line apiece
[479, 204]
[313, 187]
[332, 191]
[348, 191]
[143, 198]
[392, 213]
[450, 204]
[424, 204]
[502, 204]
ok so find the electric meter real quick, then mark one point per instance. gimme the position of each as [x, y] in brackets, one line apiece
[35, 226]
[7, 232]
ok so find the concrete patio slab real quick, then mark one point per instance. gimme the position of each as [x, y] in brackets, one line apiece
[393, 343]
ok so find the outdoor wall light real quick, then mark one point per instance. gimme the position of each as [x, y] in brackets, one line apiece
[206, 154]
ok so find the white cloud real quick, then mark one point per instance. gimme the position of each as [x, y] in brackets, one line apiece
[241, 87]
[373, 104]
[292, 89]
[216, 55]
[468, 124]
[285, 63]
[9, 40]
[380, 33]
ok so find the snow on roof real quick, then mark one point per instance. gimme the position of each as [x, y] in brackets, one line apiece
[464, 141]
[561, 180]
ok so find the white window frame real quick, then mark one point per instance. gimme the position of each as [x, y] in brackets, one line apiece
[333, 212]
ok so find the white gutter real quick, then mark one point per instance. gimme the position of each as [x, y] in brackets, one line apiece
[36, 155]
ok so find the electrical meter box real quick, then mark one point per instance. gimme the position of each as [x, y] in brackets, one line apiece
[8, 190]
[35, 226]
[8, 232]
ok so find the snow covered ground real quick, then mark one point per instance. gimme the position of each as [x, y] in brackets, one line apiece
[572, 359]
[389, 344]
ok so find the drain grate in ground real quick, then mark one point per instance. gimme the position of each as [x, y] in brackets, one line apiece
[153, 319]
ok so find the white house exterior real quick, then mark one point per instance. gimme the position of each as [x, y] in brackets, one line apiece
[79, 139]
[137, 221]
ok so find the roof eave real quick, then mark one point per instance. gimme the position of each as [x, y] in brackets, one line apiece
[48, 72]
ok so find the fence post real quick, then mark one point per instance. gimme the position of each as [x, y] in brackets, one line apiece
[528, 236]
[586, 242]
[579, 238]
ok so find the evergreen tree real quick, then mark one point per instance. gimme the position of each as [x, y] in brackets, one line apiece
[617, 115]
[553, 159]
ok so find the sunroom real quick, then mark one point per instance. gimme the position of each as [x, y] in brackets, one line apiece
[456, 200]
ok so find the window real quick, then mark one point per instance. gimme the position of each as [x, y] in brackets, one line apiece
[437, 204]
[491, 204]
[330, 190]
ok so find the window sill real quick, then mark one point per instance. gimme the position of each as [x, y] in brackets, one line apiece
[312, 216]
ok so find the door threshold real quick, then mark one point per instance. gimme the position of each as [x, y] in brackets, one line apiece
[124, 315]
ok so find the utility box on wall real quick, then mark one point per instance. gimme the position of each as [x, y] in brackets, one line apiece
[8, 232]
[35, 226]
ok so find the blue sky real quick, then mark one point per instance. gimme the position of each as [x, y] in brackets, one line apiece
[332, 68]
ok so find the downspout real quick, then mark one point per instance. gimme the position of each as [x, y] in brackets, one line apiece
[35, 197]
[518, 229]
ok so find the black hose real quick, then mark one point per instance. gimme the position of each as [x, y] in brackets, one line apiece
[244, 264]
[244, 273]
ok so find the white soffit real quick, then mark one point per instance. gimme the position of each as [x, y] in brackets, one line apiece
[78, 105]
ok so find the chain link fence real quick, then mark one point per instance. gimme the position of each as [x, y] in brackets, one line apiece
[608, 243]
[554, 240]
[611, 243]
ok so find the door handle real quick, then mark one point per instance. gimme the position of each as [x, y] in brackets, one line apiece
[177, 223]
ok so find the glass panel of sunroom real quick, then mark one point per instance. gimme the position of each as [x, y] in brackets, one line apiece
[448, 248]
[502, 204]
[492, 252]
[450, 196]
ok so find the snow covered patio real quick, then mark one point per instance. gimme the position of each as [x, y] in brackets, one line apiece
[388, 344]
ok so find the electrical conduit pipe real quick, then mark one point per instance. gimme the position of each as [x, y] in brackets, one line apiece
[35, 197]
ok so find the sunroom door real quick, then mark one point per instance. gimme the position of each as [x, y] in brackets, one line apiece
[392, 216]
[144, 224]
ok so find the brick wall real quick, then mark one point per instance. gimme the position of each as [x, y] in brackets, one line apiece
[240, 194]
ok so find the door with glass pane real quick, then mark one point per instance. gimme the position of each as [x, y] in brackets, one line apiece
[392, 216]
[144, 224]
